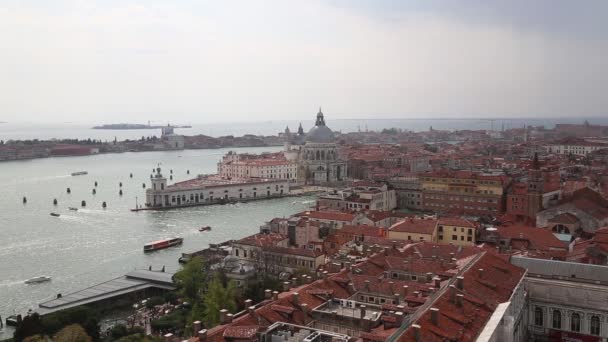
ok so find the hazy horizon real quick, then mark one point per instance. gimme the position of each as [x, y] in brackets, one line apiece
[189, 62]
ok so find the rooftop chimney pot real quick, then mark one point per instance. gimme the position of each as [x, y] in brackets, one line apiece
[435, 316]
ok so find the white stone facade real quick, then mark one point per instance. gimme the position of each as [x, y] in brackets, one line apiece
[211, 190]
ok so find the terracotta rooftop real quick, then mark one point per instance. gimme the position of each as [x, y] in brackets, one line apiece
[482, 293]
[456, 221]
[415, 226]
[538, 238]
[262, 239]
[329, 215]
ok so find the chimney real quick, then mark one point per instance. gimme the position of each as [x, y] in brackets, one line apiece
[285, 286]
[229, 318]
[347, 265]
[366, 287]
[275, 295]
[267, 294]
[168, 337]
[453, 293]
[406, 265]
[197, 325]
[397, 298]
[223, 314]
[351, 287]
[429, 277]
[416, 332]
[386, 275]
[385, 251]
[391, 286]
[435, 316]
[248, 303]
[460, 283]
[417, 294]
[459, 298]
[362, 311]
[452, 255]
[437, 281]
[325, 274]
[481, 273]
[405, 290]
[294, 298]
[251, 309]
[303, 279]
[202, 335]
[304, 307]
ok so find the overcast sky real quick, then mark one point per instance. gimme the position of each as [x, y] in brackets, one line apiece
[193, 61]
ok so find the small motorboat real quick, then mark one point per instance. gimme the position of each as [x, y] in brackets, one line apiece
[73, 209]
[204, 229]
[80, 173]
[55, 214]
[37, 280]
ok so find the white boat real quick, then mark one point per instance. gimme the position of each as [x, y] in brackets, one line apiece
[36, 280]
[80, 173]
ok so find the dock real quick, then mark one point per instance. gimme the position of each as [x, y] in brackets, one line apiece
[132, 282]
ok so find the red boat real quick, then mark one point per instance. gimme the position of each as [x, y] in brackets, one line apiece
[162, 244]
[204, 229]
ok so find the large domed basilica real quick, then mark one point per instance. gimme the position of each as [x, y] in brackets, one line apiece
[316, 153]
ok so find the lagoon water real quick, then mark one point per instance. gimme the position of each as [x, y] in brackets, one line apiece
[92, 245]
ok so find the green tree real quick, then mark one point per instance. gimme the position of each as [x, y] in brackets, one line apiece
[191, 279]
[72, 333]
[256, 289]
[217, 298]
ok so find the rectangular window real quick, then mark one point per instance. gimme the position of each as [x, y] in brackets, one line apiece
[454, 238]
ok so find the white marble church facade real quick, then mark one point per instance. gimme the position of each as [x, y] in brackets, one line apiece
[316, 152]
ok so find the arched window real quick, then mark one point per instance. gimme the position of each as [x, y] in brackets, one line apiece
[575, 322]
[318, 155]
[538, 317]
[557, 319]
[594, 328]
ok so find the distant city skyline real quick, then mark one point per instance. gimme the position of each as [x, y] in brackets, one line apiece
[187, 61]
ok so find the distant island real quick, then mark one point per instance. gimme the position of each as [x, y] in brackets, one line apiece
[134, 126]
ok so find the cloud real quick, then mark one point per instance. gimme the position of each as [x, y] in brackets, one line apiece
[196, 62]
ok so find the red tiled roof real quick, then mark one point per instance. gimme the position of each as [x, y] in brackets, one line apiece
[329, 215]
[416, 226]
[245, 332]
[363, 230]
[465, 323]
[565, 218]
[456, 221]
[538, 238]
[294, 251]
[262, 239]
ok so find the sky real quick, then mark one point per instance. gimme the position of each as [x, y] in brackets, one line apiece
[197, 61]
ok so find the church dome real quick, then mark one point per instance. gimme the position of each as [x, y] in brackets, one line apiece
[320, 133]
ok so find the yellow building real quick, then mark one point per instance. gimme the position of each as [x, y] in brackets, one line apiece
[456, 230]
[414, 230]
[468, 192]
